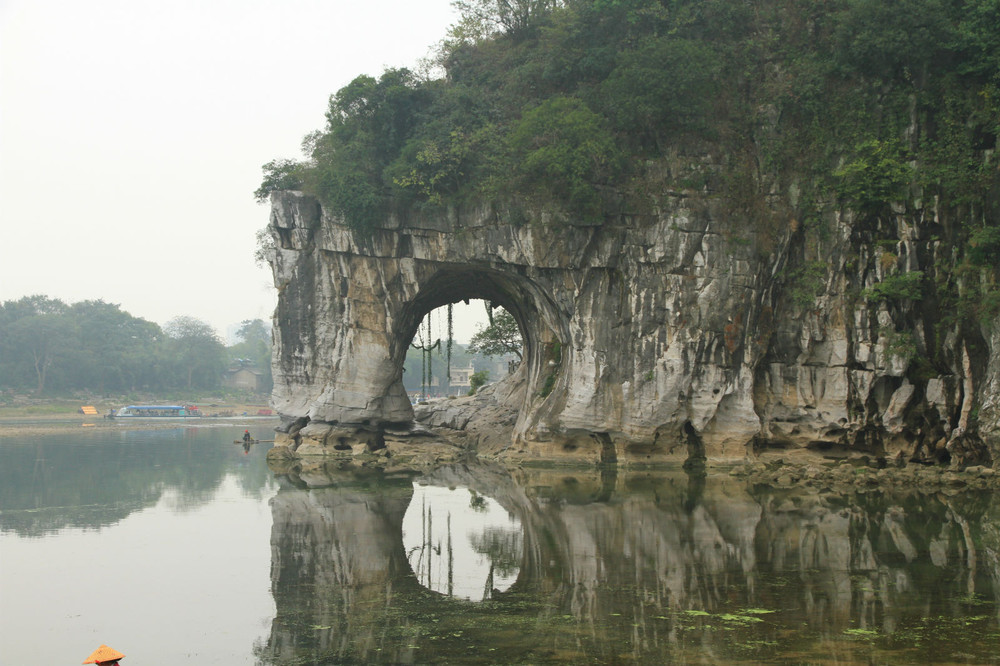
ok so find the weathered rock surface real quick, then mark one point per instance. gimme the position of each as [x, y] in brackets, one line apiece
[647, 338]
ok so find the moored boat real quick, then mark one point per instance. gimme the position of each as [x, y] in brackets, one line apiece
[156, 412]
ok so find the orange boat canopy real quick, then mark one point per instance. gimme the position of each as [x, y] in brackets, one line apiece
[104, 653]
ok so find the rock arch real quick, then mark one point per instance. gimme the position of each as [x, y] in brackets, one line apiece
[625, 328]
[538, 319]
[648, 338]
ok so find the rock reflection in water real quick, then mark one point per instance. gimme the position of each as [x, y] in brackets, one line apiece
[653, 567]
[461, 543]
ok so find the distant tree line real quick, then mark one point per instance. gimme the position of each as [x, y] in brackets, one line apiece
[48, 346]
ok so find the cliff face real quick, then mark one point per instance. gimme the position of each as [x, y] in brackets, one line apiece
[654, 337]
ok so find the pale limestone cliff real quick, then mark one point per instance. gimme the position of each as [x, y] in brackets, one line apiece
[647, 338]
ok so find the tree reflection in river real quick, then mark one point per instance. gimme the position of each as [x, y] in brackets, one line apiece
[97, 478]
[461, 543]
[650, 567]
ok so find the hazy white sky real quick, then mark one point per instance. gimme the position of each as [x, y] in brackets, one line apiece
[132, 133]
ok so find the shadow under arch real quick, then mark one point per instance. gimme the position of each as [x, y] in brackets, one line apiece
[538, 318]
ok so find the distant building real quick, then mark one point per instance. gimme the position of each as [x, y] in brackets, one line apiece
[245, 379]
[460, 377]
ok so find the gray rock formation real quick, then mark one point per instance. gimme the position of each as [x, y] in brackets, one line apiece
[647, 338]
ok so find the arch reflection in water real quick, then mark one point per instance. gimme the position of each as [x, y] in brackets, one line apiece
[645, 567]
[461, 543]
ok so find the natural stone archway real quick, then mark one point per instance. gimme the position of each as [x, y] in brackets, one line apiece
[648, 338]
[537, 317]
[606, 315]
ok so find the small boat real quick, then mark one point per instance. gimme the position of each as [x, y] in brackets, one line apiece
[156, 412]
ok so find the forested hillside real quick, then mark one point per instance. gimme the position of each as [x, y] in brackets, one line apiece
[573, 107]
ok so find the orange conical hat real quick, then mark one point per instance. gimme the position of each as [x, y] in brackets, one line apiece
[104, 653]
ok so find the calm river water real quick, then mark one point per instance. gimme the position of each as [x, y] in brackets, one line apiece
[175, 546]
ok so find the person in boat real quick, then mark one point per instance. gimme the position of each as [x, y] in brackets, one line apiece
[105, 656]
[246, 437]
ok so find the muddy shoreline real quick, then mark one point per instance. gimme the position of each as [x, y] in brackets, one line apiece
[15, 426]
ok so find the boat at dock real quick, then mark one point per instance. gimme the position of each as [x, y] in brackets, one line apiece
[156, 412]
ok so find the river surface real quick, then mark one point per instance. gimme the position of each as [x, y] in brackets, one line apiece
[175, 545]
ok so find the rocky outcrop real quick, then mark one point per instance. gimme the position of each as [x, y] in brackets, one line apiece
[989, 413]
[666, 336]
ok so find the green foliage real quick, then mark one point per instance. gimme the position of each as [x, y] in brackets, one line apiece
[900, 344]
[501, 337]
[279, 175]
[478, 380]
[876, 176]
[352, 195]
[368, 123]
[198, 350]
[563, 152]
[978, 40]
[984, 247]
[550, 383]
[978, 301]
[515, 18]
[663, 86]
[41, 342]
[807, 282]
[553, 354]
[904, 286]
[989, 305]
[894, 39]
[433, 169]
[954, 164]
[253, 350]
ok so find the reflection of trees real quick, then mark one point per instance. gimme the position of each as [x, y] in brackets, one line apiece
[503, 547]
[97, 478]
[476, 501]
[644, 569]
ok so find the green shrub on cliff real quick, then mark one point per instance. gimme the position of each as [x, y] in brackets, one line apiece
[876, 176]
[902, 287]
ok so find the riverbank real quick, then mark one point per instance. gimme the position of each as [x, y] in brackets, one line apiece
[61, 415]
[261, 426]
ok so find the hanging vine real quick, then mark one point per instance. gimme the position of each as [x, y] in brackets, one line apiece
[426, 358]
[451, 341]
